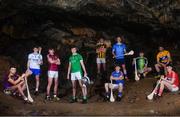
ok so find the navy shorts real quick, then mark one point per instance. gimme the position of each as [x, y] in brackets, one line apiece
[120, 62]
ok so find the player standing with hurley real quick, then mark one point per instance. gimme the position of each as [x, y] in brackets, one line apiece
[53, 74]
[118, 52]
[33, 65]
[101, 55]
[76, 65]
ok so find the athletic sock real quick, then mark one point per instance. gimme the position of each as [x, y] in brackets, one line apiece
[84, 97]
[160, 92]
[120, 94]
[156, 91]
[55, 96]
[107, 94]
[36, 89]
[25, 98]
[74, 98]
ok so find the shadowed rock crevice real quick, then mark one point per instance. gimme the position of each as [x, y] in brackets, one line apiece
[60, 23]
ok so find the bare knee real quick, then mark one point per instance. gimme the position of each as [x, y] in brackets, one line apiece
[106, 85]
[120, 86]
[124, 67]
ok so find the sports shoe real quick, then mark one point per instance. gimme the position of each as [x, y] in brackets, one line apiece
[119, 94]
[73, 100]
[7, 92]
[106, 97]
[48, 98]
[156, 97]
[26, 101]
[119, 99]
[84, 101]
[36, 93]
[56, 98]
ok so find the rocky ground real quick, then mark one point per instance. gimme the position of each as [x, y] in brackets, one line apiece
[134, 102]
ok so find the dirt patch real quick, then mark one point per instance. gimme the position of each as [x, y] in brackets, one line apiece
[133, 103]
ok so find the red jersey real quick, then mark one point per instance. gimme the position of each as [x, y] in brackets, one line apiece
[175, 76]
[53, 66]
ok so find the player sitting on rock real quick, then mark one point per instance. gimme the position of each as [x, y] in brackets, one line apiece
[170, 82]
[117, 82]
[14, 83]
[142, 65]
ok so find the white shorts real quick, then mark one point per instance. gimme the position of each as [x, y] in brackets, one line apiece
[76, 76]
[116, 86]
[100, 60]
[174, 88]
[53, 74]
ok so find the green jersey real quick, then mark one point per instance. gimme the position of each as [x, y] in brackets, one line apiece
[141, 62]
[75, 63]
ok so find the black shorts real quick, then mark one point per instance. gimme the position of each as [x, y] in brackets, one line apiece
[120, 62]
[169, 64]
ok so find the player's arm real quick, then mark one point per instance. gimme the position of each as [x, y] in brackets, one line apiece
[158, 59]
[104, 50]
[169, 57]
[112, 78]
[113, 52]
[120, 77]
[83, 66]
[69, 69]
[15, 82]
[41, 60]
[146, 62]
[28, 62]
[58, 62]
[170, 81]
[125, 49]
[97, 48]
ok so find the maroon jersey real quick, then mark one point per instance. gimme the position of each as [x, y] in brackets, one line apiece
[53, 66]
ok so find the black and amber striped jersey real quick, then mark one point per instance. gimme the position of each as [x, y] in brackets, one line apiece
[101, 50]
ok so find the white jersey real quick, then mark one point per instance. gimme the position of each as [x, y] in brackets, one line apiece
[34, 60]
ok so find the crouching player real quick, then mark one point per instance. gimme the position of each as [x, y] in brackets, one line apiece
[142, 65]
[117, 78]
[170, 82]
[14, 83]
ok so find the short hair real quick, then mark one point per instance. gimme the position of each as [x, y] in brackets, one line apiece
[161, 46]
[51, 48]
[116, 65]
[170, 66]
[141, 51]
[74, 47]
[35, 47]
